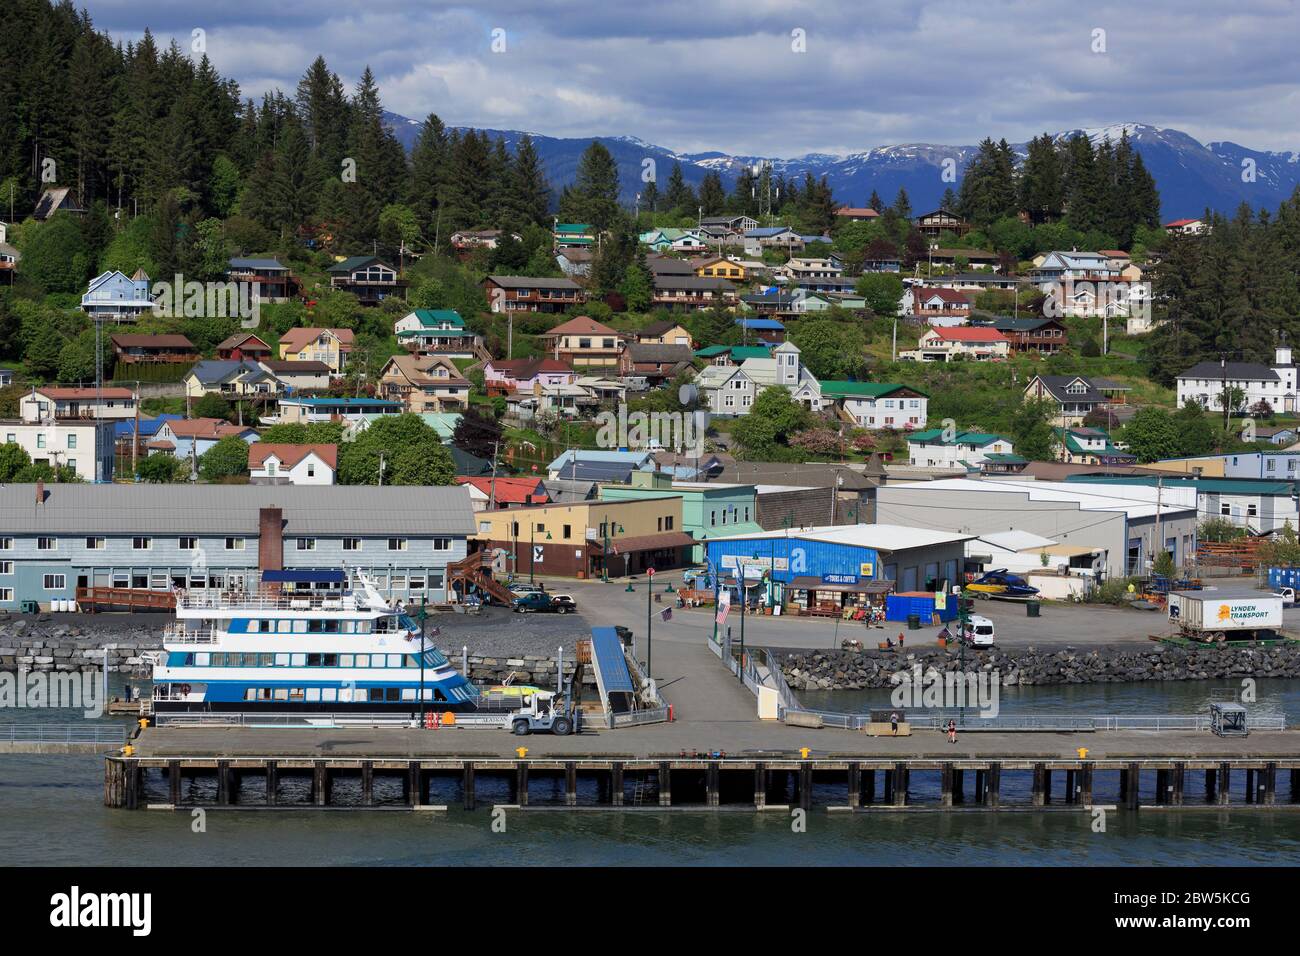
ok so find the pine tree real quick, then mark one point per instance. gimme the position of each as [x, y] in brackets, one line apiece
[712, 196]
[529, 192]
[679, 197]
[595, 188]
[428, 167]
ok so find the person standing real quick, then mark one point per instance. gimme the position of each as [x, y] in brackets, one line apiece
[952, 731]
[893, 723]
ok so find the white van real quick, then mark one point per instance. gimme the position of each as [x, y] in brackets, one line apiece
[979, 631]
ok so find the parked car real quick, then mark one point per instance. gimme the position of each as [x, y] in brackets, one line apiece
[564, 603]
[535, 601]
[524, 587]
[979, 631]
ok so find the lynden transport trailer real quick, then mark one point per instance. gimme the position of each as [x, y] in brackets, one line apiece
[1226, 615]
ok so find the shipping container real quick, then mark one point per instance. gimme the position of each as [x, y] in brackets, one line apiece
[899, 607]
[1225, 610]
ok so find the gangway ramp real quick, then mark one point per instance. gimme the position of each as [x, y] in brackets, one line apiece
[613, 682]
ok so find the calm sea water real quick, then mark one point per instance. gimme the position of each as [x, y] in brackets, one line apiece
[51, 814]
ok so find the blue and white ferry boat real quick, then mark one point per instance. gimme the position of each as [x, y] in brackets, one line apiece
[306, 641]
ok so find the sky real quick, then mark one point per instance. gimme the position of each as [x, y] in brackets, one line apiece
[777, 78]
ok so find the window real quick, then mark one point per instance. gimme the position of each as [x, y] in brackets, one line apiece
[6, 544]
[40, 441]
[396, 544]
[72, 440]
[94, 544]
[141, 544]
[6, 595]
[47, 544]
[234, 544]
[6, 567]
[187, 544]
[306, 544]
[668, 523]
[567, 531]
[54, 582]
[351, 544]
[444, 544]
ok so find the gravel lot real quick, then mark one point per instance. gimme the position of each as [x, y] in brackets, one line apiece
[497, 632]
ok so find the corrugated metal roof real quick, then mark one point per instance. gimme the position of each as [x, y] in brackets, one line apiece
[233, 509]
[607, 652]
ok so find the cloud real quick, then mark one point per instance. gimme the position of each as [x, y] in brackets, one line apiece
[726, 75]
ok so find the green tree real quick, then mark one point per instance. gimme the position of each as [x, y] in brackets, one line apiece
[13, 459]
[1031, 430]
[162, 469]
[763, 433]
[210, 405]
[1152, 434]
[830, 349]
[228, 458]
[477, 433]
[882, 290]
[410, 451]
[595, 188]
[55, 255]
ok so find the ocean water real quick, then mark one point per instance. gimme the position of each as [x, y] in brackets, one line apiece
[51, 813]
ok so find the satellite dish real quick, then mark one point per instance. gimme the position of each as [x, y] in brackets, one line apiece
[687, 393]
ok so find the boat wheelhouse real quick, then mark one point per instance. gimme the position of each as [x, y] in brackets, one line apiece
[303, 641]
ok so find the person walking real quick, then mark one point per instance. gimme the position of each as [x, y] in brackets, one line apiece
[952, 731]
[893, 723]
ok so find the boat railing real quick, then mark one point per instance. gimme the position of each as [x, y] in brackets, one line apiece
[214, 599]
[178, 633]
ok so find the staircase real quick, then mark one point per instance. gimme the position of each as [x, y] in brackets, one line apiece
[475, 569]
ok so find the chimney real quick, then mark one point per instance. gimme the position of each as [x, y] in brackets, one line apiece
[270, 539]
[40, 492]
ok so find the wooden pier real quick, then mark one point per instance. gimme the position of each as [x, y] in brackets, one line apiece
[699, 782]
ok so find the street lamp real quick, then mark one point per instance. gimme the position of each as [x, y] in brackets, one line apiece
[649, 618]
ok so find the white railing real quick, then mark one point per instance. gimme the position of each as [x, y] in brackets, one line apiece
[86, 733]
[214, 599]
[178, 633]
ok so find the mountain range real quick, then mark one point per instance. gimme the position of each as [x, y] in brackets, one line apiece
[1190, 175]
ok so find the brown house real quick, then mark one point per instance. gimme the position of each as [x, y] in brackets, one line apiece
[933, 224]
[524, 294]
[655, 363]
[424, 384]
[583, 342]
[1045, 336]
[132, 349]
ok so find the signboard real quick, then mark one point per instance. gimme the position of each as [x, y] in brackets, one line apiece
[867, 569]
[538, 552]
[940, 600]
[839, 579]
[776, 564]
[666, 614]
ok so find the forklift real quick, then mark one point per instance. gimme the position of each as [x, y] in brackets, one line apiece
[548, 712]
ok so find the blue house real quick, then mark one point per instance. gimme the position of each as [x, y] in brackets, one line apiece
[578, 462]
[765, 330]
[111, 295]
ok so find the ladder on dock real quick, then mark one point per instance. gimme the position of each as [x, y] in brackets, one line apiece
[639, 786]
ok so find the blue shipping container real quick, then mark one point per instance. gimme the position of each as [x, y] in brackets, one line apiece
[1283, 577]
[898, 607]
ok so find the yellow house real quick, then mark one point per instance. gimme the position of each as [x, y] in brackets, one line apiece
[582, 539]
[665, 332]
[719, 267]
[331, 346]
[1211, 466]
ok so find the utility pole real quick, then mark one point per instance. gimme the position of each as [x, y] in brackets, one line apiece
[423, 616]
[649, 618]
[1160, 546]
[1223, 399]
[492, 496]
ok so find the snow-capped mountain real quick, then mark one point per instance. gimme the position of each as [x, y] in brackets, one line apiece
[1191, 175]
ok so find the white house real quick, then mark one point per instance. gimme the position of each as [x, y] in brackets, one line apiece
[879, 404]
[56, 401]
[1186, 227]
[935, 449]
[732, 389]
[976, 343]
[1209, 382]
[84, 445]
[279, 464]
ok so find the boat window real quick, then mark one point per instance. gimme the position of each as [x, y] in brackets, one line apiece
[315, 627]
[265, 660]
[329, 693]
[281, 660]
[313, 660]
[250, 694]
[345, 694]
[346, 660]
[408, 693]
[330, 660]
[377, 694]
[285, 626]
[313, 694]
[281, 693]
[300, 627]
[412, 660]
[394, 660]
[299, 660]
[363, 660]
[392, 694]
[378, 660]
[252, 627]
[297, 693]
[439, 695]
[202, 660]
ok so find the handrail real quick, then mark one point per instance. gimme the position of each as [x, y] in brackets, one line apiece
[64, 733]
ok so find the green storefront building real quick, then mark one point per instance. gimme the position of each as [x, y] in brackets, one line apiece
[709, 510]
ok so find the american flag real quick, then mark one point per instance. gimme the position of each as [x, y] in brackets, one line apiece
[724, 605]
